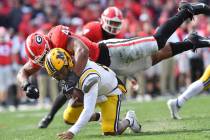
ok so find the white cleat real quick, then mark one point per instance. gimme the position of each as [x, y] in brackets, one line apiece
[100, 118]
[174, 109]
[134, 124]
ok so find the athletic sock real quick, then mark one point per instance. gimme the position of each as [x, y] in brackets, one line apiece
[58, 103]
[167, 29]
[179, 47]
[194, 89]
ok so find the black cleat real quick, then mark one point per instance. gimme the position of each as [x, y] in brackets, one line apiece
[45, 121]
[194, 8]
[198, 41]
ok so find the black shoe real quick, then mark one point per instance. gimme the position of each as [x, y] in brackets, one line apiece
[194, 8]
[45, 121]
[198, 41]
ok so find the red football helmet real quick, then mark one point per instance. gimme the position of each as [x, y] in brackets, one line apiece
[36, 47]
[111, 20]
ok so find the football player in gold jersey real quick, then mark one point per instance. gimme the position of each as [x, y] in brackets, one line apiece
[100, 87]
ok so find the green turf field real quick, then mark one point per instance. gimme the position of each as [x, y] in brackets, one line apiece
[154, 117]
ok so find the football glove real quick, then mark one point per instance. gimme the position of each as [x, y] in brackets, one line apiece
[70, 83]
[31, 90]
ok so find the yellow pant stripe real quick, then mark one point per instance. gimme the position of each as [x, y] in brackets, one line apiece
[205, 78]
[122, 88]
[206, 83]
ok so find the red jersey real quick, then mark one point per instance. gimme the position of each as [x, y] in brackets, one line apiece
[6, 53]
[59, 38]
[93, 31]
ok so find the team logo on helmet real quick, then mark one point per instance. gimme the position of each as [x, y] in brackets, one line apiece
[60, 55]
[56, 59]
[38, 39]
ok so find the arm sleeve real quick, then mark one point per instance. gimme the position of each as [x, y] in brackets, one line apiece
[89, 107]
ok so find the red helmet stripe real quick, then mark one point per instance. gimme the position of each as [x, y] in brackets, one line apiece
[29, 49]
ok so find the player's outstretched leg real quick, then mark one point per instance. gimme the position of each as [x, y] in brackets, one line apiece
[194, 89]
[187, 11]
[175, 105]
[58, 103]
[192, 42]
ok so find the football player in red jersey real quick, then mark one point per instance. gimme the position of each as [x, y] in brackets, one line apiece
[108, 27]
[119, 54]
[37, 46]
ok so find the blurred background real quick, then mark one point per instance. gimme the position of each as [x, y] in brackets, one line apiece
[19, 18]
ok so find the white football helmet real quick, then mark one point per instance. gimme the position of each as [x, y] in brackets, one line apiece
[111, 20]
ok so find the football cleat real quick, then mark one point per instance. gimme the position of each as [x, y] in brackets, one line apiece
[45, 121]
[100, 117]
[174, 108]
[134, 124]
[198, 41]
[194, 8]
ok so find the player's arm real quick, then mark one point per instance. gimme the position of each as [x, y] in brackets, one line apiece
[81, 54]
[87, 32]
[22, 77]
[90, 90]
[92, 47]
[25, 72]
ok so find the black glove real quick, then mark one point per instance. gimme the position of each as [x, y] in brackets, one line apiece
[31, 90]
[69, 83]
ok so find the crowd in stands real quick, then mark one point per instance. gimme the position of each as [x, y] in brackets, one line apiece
[19, 18]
